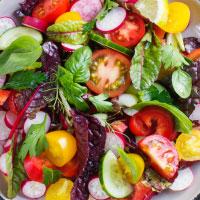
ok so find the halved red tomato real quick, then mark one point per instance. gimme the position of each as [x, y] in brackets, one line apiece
[162, 155]
[49, 10]
[109, 73]
[152, 120]
[34, 167]
[131, 32]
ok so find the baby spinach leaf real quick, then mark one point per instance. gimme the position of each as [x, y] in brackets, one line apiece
[25, 80]
[21, 54]
[184, 124]
[51, 175]
[182, 83]
[78, 64]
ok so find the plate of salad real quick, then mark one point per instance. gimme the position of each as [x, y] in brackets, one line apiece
[99, 99]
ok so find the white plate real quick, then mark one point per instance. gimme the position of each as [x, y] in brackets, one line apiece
[8, 6]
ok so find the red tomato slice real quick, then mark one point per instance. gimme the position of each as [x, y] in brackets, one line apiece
[34, 167]
[49, 10]
[152, 120]
[109, 73]
[131, 32]
[162, 155]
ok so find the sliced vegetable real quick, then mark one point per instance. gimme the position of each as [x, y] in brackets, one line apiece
[108, 43]
[51, 175]
[4, 94]
[162, 155]
[12, 34]
[49, 10]
[3, 166]
[10, 119]
[131, 31]
[112, 21]
[96, 190]
[104, 61]
[195, 116]
[183, 180]
[35, 23]
[188, 146]
[33, 189]
[111, 177]
[73, 15]
[5, 24]
[2, 80]
[5, 131]
[62, 147]
[127, 100]
[71, 47]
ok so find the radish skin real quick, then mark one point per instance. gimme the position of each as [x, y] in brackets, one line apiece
[70, 47]
[4, 130]
[10, 119]
[5, 24]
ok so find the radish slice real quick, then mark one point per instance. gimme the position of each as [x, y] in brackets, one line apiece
[7, 146]
[5, 24]
[2, 80]
[195, 116]
[183, 181]
[130, 111]
[88, 9]
[114, 141]
[10, 119]
[3, 166]
[96, 190]
[35, 23]
[70, 47]
[39, 118]
[1, 149]
[4, 130]
[33, 189]
[112, 21]
[127, 100]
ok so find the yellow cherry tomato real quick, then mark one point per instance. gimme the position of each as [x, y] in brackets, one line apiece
[62, 147]
[60, 190]
[74, 16]
[188, 146]
[178, 19]
[138, 171]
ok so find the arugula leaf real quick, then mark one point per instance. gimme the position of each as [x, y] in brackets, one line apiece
[25, 80]
[172, 58]
[100, 104]
[70, 32]
[21, 54]
[182, 83]
[51, 175]
[155, 92]
[78, 64]
[146, 64]
[35, 142]
[73, 91]
[184, 124]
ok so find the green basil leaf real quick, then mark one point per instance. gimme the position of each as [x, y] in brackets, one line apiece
[69, 32]
[35, 142]
[51, 176]
[182, 83]
[25, 80]
[100, 104]
[78, 64]
[183, 123]
[20, 55]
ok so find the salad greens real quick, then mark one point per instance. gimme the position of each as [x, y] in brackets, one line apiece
[183, 122]
[51, 175]
[20, 55]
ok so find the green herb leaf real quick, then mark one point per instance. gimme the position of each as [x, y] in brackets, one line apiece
[100, 104]
[25, 80]
[69, 32]
[35, 142]
[184, 124]
[172, 58]
[145, 65]
[89, 26]
[78, 64]
[182, 83]
[21, 54]
[155, 92]
[51, 176]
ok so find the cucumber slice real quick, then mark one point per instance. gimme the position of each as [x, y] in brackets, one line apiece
[12, 34]
[112, 178]
[108, 43]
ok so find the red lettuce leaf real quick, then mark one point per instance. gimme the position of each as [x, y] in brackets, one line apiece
[91, 138]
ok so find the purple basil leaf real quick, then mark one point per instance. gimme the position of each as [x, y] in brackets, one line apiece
[91, 138]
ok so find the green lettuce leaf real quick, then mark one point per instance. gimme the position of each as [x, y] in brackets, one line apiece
[51, 176]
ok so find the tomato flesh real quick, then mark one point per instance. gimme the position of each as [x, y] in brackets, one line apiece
[152, 120]
[49, 10]
[131, 32]
[162, 155]
[109, 73]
